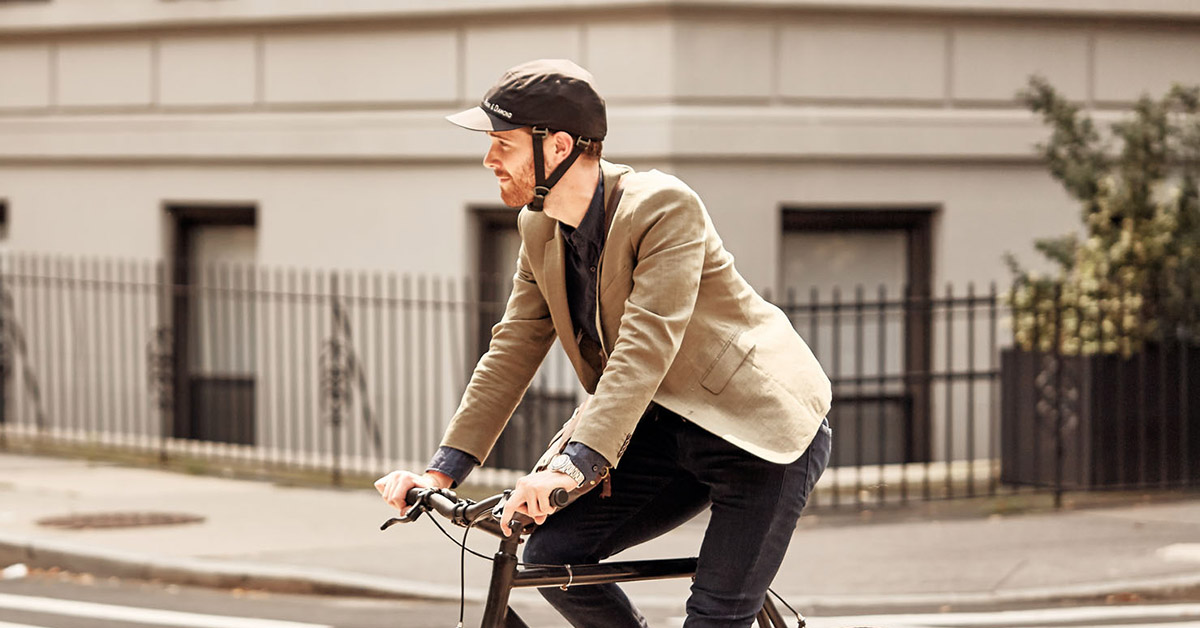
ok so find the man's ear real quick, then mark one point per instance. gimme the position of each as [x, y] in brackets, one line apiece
[563, 143]
[556, 149]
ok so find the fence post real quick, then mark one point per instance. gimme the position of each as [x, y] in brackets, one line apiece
[1059, 447]
[5, 357]
[334, 382]
[162, 375]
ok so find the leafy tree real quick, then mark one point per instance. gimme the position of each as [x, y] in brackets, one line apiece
[1135, 275]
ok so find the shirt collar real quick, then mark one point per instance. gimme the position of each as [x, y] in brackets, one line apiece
[591, 228]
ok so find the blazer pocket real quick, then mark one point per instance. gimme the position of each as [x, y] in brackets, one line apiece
[726, 364]
[621, 276]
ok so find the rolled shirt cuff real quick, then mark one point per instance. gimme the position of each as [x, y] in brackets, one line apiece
[455, 463]
[591, 464]
[458, 464]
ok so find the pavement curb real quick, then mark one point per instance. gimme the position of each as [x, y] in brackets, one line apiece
[1162, 584]
[44, 554]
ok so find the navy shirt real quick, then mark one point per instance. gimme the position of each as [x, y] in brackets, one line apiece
[584, 245]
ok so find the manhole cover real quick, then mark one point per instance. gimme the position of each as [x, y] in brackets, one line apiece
[84, 521]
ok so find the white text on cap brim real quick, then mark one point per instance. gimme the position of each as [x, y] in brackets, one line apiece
[476, 119]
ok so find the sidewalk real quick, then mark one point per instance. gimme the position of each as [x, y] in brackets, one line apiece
[260, 535]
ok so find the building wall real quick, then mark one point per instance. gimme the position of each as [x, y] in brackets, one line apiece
[984, 211]
[332, 124]
[327, 117]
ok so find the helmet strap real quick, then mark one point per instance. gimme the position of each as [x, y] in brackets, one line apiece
[542, 183]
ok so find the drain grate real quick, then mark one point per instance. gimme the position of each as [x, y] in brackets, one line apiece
[84, 521]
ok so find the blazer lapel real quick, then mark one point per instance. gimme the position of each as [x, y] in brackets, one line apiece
[608, 267]
[554, 271]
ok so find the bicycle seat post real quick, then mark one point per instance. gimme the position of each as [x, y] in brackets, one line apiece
[504, 572]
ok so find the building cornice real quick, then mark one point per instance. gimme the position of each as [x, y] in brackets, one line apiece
[667, 132]
[99, 15]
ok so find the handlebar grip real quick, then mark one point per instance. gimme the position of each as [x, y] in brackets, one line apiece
[559, 498]
[444, 505]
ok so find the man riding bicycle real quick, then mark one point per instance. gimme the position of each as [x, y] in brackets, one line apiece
[703, 394]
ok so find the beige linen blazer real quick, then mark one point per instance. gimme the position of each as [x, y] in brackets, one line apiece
[679, 327]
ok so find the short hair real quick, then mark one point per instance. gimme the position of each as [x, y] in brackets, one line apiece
[594, 149]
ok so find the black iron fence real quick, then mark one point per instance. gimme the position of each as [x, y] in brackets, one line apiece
[358, 372]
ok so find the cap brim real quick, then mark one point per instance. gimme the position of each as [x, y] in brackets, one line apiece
[476, 119]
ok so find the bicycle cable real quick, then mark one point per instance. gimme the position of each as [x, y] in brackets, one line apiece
[462, 577]
[799, 619]
[463, 545]
[462, 572]
[455, 541]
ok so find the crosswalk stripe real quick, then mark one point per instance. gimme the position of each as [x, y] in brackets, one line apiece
[54, 606]
[4, 624]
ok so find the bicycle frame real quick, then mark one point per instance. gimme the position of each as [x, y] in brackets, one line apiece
[506, 574]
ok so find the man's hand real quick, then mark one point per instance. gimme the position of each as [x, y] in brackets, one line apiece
[395, 485]
[531, 497]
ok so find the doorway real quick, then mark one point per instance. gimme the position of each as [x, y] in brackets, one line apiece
[214, 251]
[857, 283]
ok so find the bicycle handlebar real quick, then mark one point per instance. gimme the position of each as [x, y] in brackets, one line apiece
[461, 512]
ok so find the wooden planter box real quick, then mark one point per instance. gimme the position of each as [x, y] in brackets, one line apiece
[1126, 422]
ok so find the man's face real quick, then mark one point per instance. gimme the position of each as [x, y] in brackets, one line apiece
[510, 158]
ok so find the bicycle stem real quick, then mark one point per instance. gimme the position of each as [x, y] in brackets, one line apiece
[504, 572]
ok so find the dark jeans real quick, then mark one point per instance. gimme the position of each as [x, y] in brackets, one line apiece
[671, 472]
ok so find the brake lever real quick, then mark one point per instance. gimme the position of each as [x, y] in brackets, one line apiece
[414, 513]
[559, 497]
[519, 521]
[390, 522]
[498, 510]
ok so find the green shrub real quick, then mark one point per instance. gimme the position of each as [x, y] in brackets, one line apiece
[1135, 275]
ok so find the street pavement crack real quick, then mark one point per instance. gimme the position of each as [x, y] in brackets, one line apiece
[1011, 572]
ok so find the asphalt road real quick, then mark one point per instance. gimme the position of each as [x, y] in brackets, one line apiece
[57, 600]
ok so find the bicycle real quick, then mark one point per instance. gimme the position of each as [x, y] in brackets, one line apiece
[509, 573]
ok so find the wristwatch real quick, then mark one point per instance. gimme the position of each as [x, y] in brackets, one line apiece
[562, 463]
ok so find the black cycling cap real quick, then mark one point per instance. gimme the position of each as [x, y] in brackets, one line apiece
[555, 94]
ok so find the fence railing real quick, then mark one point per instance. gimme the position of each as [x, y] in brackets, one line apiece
[358, 372]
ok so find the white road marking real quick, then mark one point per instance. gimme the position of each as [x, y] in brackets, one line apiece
[1160, 615]
[4, 624]
[1180, 552]
[53, 606]
[1024, 618]
[1188, 624]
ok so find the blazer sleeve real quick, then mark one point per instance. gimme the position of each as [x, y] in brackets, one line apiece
[519, 343]
[669, 231]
